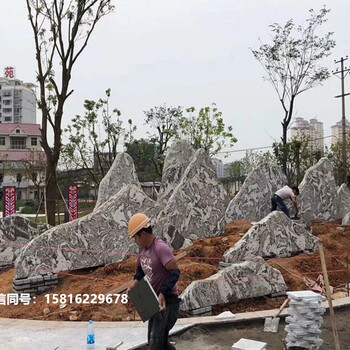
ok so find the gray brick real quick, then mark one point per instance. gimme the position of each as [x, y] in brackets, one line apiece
[36, 279]
[51, 283]
[21, 281]
[31, 290]
[23, 286]
[50, 277]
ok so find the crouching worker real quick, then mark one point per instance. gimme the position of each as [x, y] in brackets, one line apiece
[157, 262]
[281, 195]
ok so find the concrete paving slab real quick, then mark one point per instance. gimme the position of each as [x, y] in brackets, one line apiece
[56, 335]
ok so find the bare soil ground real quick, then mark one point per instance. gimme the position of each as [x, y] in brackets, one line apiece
[202, 260]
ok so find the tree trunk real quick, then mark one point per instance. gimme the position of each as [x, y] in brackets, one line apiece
[51, 193]
[284, 149]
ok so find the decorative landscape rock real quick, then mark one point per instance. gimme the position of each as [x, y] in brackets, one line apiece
[15, 232]
[121, 174]
[346, 220]
[197, 206]
[177, 160]
[343, 198]
[274, 236]
[253, 201]
[318, 193]
[99, 238]
[248, 279]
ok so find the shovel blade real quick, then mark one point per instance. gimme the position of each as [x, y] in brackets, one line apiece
[271, 324]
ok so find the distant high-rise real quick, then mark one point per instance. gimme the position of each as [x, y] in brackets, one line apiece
[312, 129]
[337, 131]
[17, 100]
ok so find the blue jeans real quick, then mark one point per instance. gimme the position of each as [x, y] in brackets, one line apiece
[161, 323]
[277, 201]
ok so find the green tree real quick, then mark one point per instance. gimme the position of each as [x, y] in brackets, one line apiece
[62, 30]
[164, 122]
[142, 152]
[253, 159]
[301, 154]
[292, 63]
[236, 173]
[206, 130]
[334, 154]
[87, 148]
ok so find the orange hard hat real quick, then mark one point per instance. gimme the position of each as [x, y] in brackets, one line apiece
[138, 222]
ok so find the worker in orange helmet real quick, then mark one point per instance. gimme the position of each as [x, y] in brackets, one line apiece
[157, 262]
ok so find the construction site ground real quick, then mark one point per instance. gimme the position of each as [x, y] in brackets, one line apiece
[223, 336]
[201, 262]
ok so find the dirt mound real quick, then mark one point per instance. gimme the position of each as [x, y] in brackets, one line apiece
[202, 261]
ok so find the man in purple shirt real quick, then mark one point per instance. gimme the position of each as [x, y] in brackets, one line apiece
[157, 262]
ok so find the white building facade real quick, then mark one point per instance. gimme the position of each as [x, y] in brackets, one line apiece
[17, 101]
[22, 161]
[337, 131]
[312, 129]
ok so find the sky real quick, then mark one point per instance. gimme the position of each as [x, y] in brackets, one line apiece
[187, 53]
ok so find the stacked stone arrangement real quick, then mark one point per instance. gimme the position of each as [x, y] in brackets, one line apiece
[35, 285]
[304, 320]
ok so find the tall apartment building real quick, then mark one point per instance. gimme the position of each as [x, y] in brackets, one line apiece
[17, 102]
[337, 131]
[312, 129]
[22, 161]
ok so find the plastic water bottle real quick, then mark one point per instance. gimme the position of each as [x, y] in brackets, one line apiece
[90, 336]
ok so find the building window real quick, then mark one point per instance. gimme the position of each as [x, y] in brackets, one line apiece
[7, 110]
[7, 93]
[19, 177]
[7, 102]
[8, 119]
[18, 143]
[34, 177]
[2, 140]
[18, 131]
[34, 141]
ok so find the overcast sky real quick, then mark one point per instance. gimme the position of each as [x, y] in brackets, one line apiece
[187, 53]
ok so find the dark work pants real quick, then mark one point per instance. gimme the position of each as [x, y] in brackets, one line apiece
[277, 201]
[160, 325]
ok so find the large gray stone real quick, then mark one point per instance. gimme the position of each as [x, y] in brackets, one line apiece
[346, 220]
[248, 279]
[176, 161]
[121, 174]
[274, 236]
[253, 201]
[197, 206]
[98, 238]
[343, 199]
[15, 232]
[318, 193]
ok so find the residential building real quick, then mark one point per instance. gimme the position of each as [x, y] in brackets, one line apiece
[337, 131]
[312, 129]
[17, 102]
[219, 167]
[22, 161]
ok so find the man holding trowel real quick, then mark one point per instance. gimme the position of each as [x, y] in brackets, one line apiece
[281, 195]
[157, 262]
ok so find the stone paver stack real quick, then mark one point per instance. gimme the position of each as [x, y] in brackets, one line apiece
[304, 320]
